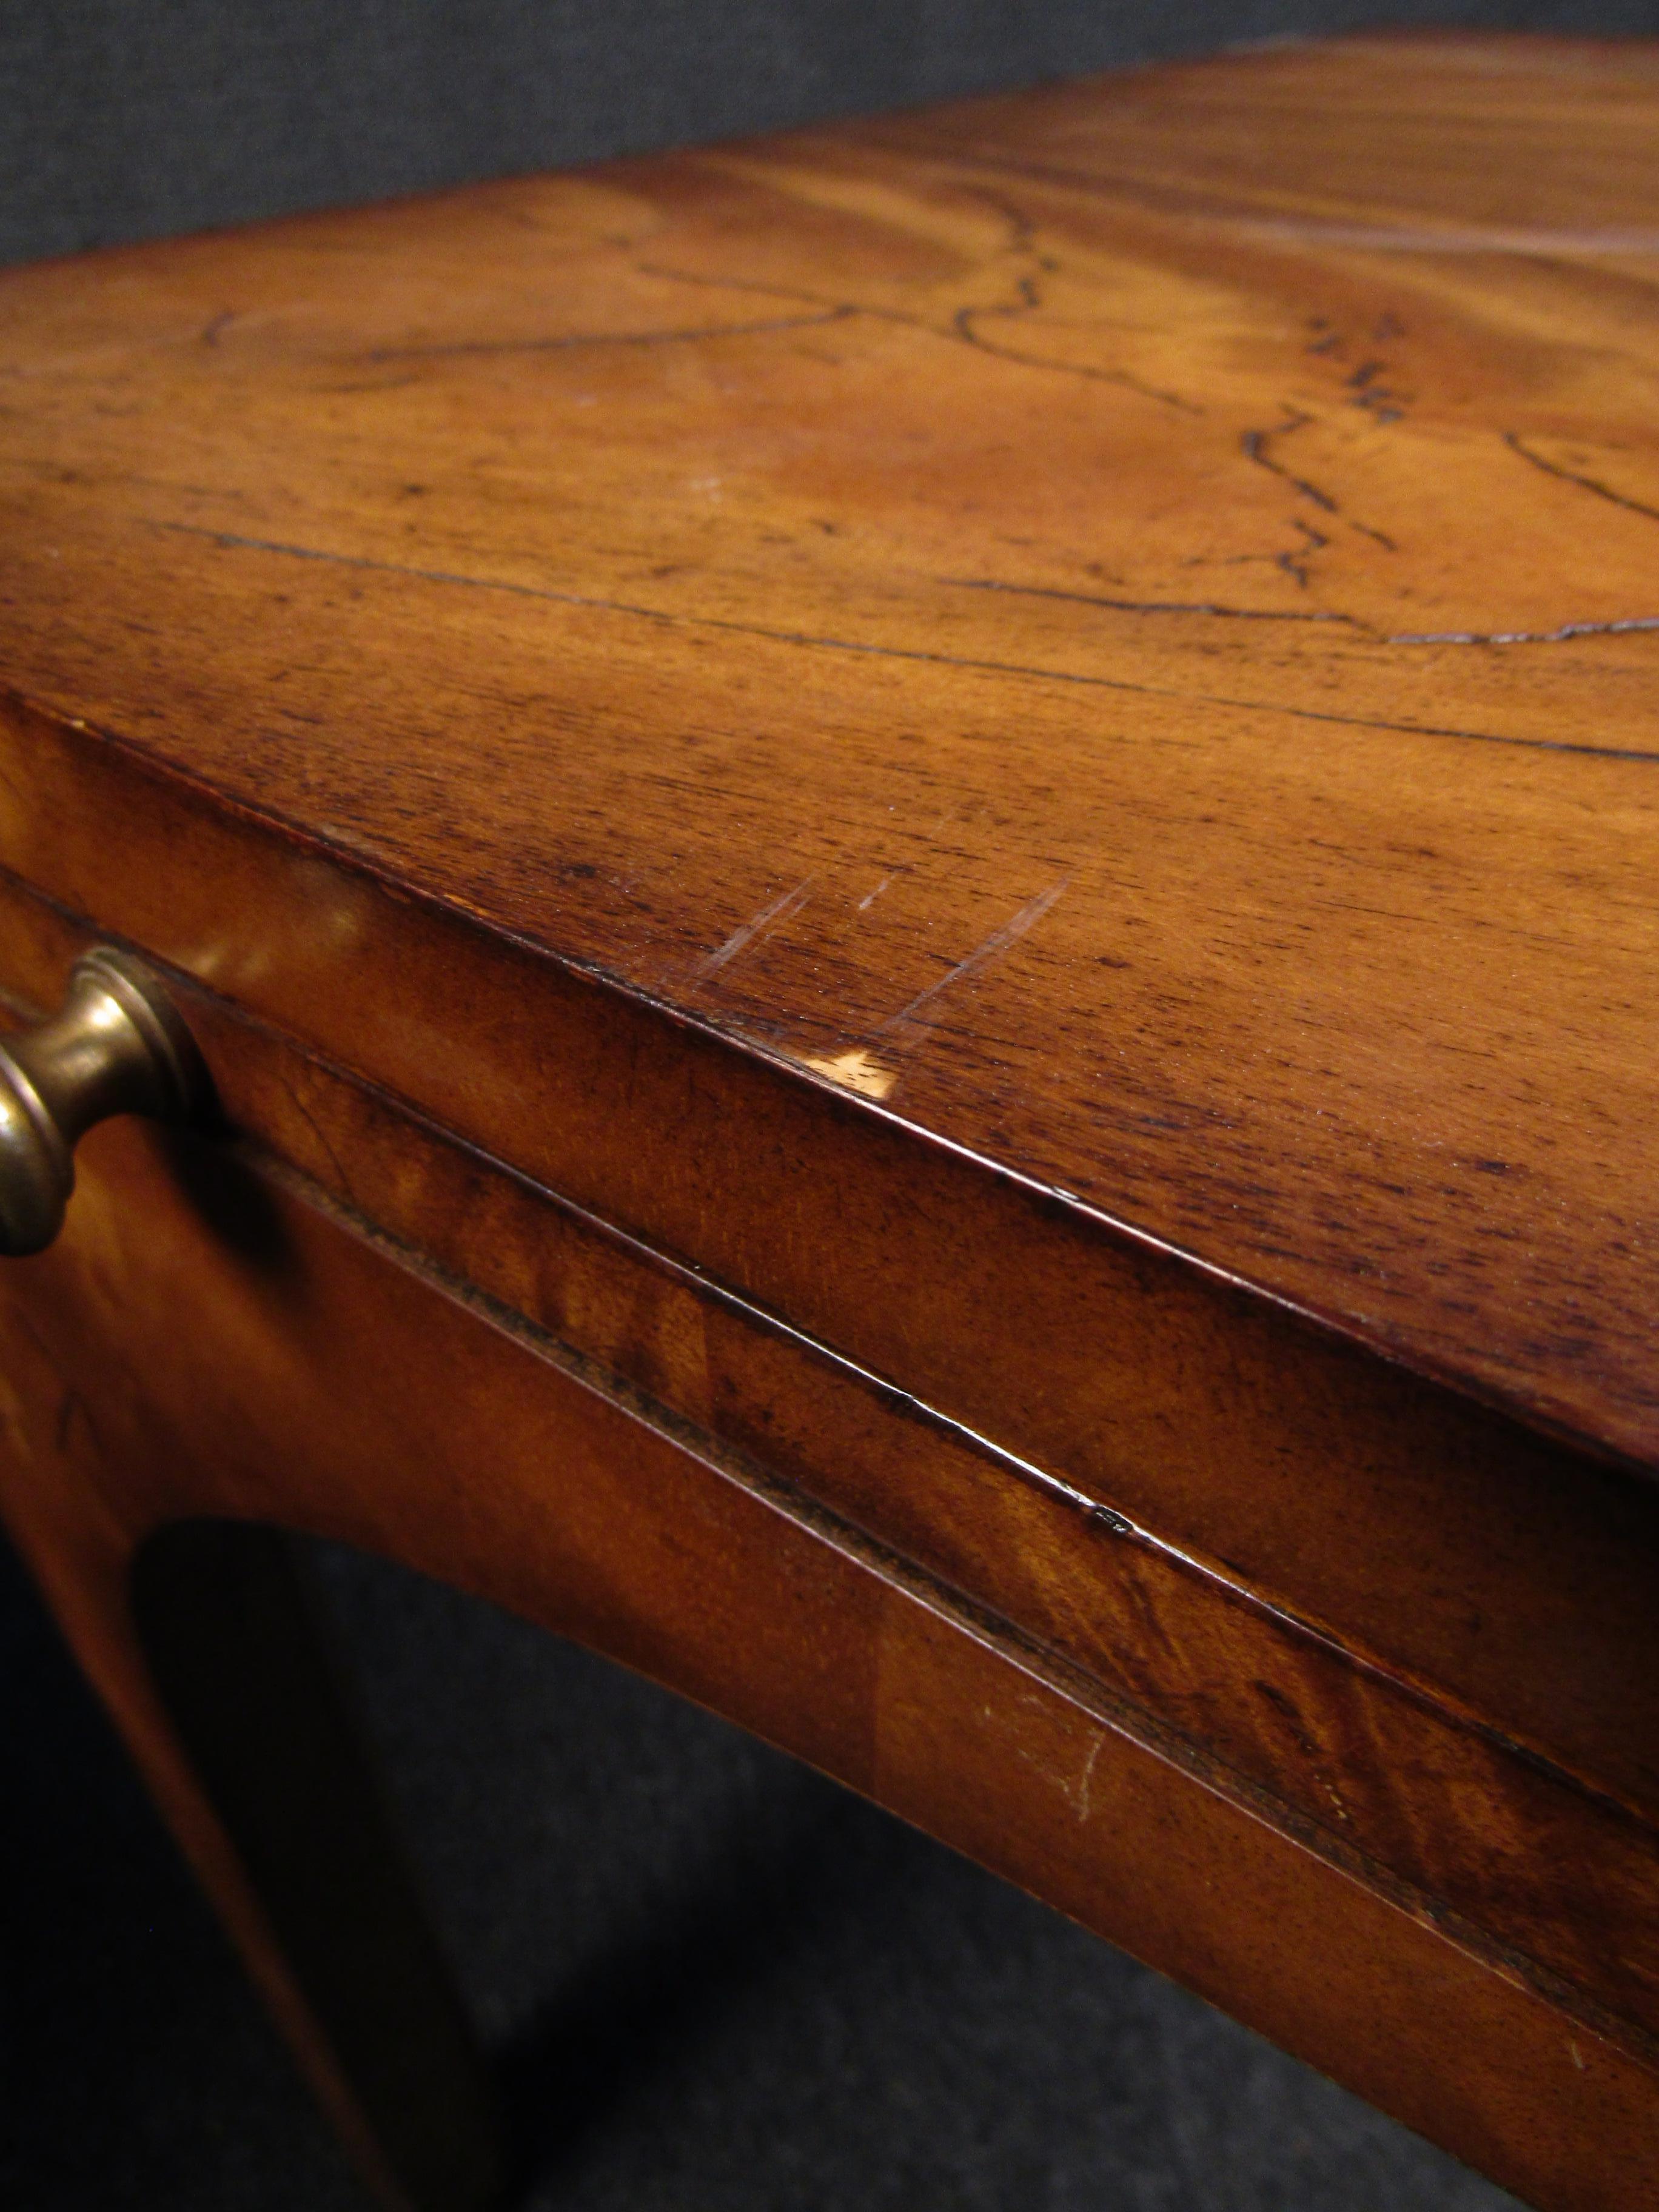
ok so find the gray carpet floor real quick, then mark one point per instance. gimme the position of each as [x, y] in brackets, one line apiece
[710, 1979]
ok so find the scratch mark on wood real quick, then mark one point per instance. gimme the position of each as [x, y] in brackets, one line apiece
[1085, 1780]
[782, 908]
[992, 948]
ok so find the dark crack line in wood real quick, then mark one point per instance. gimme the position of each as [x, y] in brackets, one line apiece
[1564, 633]
[1255, 446]
[1516, 444]
[235, 540]
[1164, 606]
[575, 340]
[959, 326]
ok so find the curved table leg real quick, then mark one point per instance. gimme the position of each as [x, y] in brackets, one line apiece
[241, 1654]
[217, 1660]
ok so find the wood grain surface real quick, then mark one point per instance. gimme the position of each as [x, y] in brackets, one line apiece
[1113, 625]
[1545, 1845]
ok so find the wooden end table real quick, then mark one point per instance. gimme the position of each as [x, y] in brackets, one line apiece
[915, 869]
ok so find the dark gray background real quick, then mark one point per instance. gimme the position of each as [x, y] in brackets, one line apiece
[122, 120]
[773, 1998]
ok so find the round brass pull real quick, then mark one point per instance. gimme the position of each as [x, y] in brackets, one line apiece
[116, 1046]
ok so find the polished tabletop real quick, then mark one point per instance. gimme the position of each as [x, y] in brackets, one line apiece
[1115, 624]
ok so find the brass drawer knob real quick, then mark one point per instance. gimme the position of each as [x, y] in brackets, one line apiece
[116, 1046]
